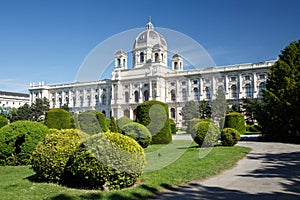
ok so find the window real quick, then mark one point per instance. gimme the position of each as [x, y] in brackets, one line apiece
[196, 94]
[127, 113]
[175, 65]
[173, 95]
[262, 87]
[173, 113]
[60, 102]
[136, 96]
[207, 80]
[207, 91]
[183, 83]
[74, 102]
[146, 95]
[233, 91]
[156, 57]
[89, 100]
[247, 78]
[173, 83]
[262, 76]
[248, 90]
[220, 80]
[142, 57]
[81, 101]
[126, 97]
[103, 99]
[233, 78]
[195, 82]
[67, 100]
[184, 95]
[119, 62]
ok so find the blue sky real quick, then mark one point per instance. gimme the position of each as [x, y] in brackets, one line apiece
[47, 40]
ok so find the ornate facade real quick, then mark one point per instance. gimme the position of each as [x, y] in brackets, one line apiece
[150, 78]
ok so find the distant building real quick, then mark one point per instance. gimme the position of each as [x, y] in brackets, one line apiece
[150, 78]
[13, 100]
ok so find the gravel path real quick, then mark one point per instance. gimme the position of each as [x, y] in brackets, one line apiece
[269, 171]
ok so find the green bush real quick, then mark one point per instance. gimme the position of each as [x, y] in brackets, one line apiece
[3, 121]
[91, 122]
[190, 124]
[138, 132]
[154, 115]
[113, 125]
[50, 157]
[253, 128]
[18, 140]
[58, 118]
[108, 160]
[205, 133]
[235, 120]
[174, 129]
[229, 136]
[123, 121]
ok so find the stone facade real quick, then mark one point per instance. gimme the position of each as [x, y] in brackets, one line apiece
[150, 78]
[13, 100]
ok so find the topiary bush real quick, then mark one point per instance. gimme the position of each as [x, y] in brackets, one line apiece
[18, 140]
[190, 124]
[108, 159]
[138, 132]
[123, 121]
[235, 120]
[229, 136]
[154, 115]
[58, 118]
[91, 122]
[174, 129]
[3, 121]
[205, 133]
[50, 157]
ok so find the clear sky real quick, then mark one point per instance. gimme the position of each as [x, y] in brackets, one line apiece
[47, 40]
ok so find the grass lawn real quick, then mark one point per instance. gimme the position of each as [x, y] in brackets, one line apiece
[168, 165]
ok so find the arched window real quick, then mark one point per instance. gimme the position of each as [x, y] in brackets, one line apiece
[89, 100]
[233, 91]
[262, 87]
[173, 113]
[127, 113]
[119, 62]
[196, 94]
[103, 111]
[146, 95]
[60, 102]
[175, 65]
[96, 100]
[67, 100]
[136, 96]
[173, 95]
[162, 57]
[184, 95]
[74, 101]
[126, 97]
[156, 57]
[142, 57]
[207, 92]
[134, 114]
[248, 90]
[53, 102]
[124, 62]
[81, 101]
[103, 99]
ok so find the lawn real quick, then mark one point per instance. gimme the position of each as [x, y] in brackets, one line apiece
[174, 164]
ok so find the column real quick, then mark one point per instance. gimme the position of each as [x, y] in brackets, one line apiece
[240, 86]
[226, 86]
[150, 90]
[255, 93]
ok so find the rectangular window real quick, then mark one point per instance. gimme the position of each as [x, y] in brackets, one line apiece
[247, 78]
[233, 78]
[262, 76]
[195, 81]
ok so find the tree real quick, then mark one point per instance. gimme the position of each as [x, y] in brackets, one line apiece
[279, 114]
[249, 106]
[218, 108]
[190, 110]
[22, 113]
[113, 125]
[65, 107]
[39, 108]
[204, 110]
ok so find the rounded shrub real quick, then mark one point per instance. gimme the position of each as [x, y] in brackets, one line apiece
[3, 121]
[123, 121]
[105, 160]
[205, 133]
[50, 157]
[58, 118]
[92, 122]
[138, 132]
[229, 136]
[235, 120]
[190, 124]
[174, 129]
[155, 116]
[18, 140]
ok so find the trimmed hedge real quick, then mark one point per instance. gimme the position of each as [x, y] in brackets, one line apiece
[52, 153]
[174, 129]
[253, 128]
[154, 115]
[58, 118]
[18, 140]
[3, 121]
[235, 120]
[105, 160]
[123, 121]
[92, 122]
[229, 136]
[138, 132]
[205, 133]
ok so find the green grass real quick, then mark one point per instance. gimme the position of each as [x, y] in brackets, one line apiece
[182, 160]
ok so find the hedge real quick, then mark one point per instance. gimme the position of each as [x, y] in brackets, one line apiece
[154, 115]
[3, 121]
[235, 120]
[205, 133]
[229, 136]
[50, 157]
[174, 129]
[18, 140]
[123, 121]
[91, 122]
[138, 132]
[58, 118]
[108, 159]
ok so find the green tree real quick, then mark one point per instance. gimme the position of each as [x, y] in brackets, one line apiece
[218, 108]
[250, 106]
[65, 107]
[113, 125]
[279, 114]
[204, 110]
[22, 113]
[39, 108]
[190, 110]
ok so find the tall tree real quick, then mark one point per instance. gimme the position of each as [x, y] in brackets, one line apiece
[279, 114]
[39, 108]
[204, 110]
[218, 108]
[190, 110]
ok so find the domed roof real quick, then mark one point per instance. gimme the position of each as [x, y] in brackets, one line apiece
[149, 38]
[176, 56]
